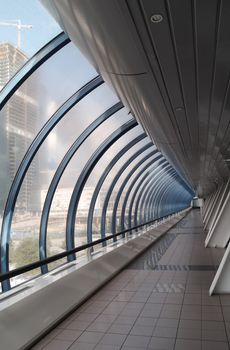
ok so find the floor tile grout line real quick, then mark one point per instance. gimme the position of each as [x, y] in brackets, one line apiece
[225, 328]
[163, 276]
[102, 312]
[180, 314]
[181, 310]
[139, 315]
[88, 325]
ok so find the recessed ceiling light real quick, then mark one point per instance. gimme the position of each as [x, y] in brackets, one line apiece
[157, 18]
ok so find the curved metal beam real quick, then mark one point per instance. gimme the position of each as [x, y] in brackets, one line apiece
[120, 191]
[131, 186]
[113, 184]
[74, 201]
[167, 193]
[116, 178]
[60, 170]
[154, 194]
[144, 190]
[174, 195]
[30, 154]
[161, 164]
[153, 177]
[154, 201]
[181, 183]
[153, 187]
[102, 180]
[176, 192]
[166, 187]
[31, 65]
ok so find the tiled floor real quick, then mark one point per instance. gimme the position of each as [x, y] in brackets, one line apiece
[147, 307]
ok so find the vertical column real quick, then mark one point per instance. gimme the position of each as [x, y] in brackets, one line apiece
[220, 231]
[205, 206]
[212, 206]
[221, 281]
[218, 204]
[209, 207]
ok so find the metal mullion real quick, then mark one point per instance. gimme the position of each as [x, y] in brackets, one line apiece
[181, 193]
[147, 204]
[25, 163]
[102, 180]
[153, 182]
[32, 65]
[154, 198]
[112, 185]
[78, 188]
[167, 195]
[125, 181]
[60, 170]
[166, 188]
[161, 165]
[133, 183]
[144, 186]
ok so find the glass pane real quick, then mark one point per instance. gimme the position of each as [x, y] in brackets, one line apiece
[25, 27]
[150, 159]
[26, 220]
[33, 104]
[82, 213]
[143, 180]
[153, 182]
[117, 187]
[102, 165]
[98, 171]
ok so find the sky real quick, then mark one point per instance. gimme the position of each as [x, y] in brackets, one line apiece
[29, 12]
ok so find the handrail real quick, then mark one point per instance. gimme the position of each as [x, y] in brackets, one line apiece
[26, 268]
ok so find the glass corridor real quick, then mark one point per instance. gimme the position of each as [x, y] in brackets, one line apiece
[77, 170]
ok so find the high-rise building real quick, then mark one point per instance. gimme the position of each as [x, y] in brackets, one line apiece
[11, 59]
[18, 120]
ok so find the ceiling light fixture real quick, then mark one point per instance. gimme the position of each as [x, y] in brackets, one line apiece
[157, 18]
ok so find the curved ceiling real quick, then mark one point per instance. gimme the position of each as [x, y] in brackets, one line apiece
[173, 74]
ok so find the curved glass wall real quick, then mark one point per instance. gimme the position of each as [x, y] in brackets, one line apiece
[75, 166]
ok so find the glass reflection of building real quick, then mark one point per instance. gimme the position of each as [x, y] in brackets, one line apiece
[18, 119]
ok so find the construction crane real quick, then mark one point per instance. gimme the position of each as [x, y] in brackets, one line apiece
[18, 24]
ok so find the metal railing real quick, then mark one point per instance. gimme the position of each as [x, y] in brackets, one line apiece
[29, 267]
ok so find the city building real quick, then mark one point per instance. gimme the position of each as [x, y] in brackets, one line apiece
[18, 121]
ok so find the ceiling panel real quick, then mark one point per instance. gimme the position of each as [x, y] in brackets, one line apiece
[173, 75]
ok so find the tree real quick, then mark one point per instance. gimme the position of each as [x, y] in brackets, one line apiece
[26, 252]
